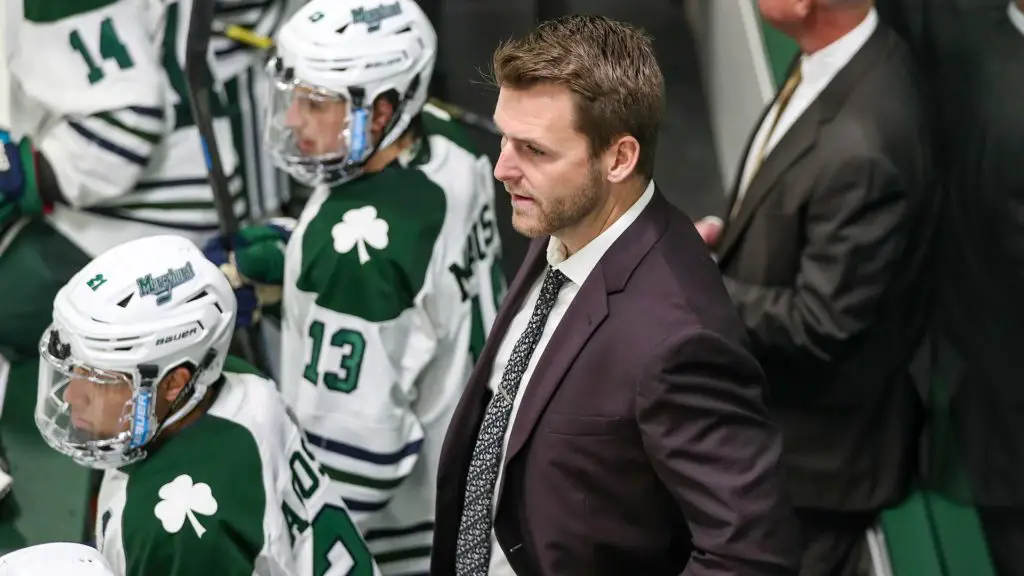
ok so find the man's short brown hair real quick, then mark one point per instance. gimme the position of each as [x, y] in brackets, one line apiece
[609, 67]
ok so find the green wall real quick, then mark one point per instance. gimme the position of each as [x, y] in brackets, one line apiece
[780, 49]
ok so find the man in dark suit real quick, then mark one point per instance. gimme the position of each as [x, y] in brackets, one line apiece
[824, 254]
[614, 423]
[980, 310]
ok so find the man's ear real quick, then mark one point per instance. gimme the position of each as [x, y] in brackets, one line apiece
[383, 110]
[621, 158]
[174, 383]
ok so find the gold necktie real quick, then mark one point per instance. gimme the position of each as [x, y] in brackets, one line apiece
[784, 97]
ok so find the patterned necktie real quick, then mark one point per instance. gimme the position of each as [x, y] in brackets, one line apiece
[473, 549]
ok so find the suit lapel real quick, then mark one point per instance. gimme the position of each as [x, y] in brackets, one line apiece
[802, 137]
[588, 310]
[791, 147]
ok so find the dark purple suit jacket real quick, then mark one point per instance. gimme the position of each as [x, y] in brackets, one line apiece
[642, 445]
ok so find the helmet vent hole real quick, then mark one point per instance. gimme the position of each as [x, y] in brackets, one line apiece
[342, 29]
[127, 299]
[197, 297]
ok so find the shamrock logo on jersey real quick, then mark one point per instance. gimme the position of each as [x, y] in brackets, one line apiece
[359, 227]
[181, 499]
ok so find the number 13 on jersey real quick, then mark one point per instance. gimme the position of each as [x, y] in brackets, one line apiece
[335, 356]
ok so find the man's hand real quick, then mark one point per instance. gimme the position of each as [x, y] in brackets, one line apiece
[255, 268]
[710, 229]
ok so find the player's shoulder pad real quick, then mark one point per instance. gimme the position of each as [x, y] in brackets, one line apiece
[367, 251]
[437, 122]
[102, 50]
[238, 365]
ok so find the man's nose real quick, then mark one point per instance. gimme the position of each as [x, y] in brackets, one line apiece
[506, 169]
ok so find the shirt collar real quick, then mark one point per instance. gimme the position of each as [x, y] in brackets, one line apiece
[824, 64]
[1016, 16]
[578, 266]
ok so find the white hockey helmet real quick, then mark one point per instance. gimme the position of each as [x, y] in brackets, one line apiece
[333, 59]
[64, 558]
[120, 326]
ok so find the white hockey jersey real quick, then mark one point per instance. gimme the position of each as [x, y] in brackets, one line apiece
[391, 285]
[234, 493]
[98, 86]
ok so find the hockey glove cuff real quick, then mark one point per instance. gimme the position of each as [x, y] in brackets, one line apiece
[19, 191]
[259, 250]
[255, 268]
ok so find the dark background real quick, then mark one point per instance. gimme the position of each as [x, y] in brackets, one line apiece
[687, 167]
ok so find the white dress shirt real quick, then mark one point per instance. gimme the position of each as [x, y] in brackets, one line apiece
[817, 70]
[1016, 16]
[576, 268]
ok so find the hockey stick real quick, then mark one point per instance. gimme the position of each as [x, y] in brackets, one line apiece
[457, 113]
[199, 79]
[463, 116]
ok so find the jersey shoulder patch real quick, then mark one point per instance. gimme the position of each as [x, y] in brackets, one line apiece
[367, 250]
[195, 505]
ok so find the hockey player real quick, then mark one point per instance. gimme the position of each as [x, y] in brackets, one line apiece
[64, 558]
[391, 275]
[112, 145]
[205, 470]
[102, 132]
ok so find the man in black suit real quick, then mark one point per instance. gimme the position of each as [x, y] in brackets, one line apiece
[613, 424]
[980, 310]
[824, 253]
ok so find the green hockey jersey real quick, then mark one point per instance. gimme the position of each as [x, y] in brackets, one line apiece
[391, 284]
[236, 493]
[98, 86]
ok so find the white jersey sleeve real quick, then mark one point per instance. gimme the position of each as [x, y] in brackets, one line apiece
[93, 91]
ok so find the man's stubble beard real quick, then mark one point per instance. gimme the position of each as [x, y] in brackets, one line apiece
[566, 211]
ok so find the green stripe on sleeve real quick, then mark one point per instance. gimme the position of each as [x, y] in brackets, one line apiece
[363, 481]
